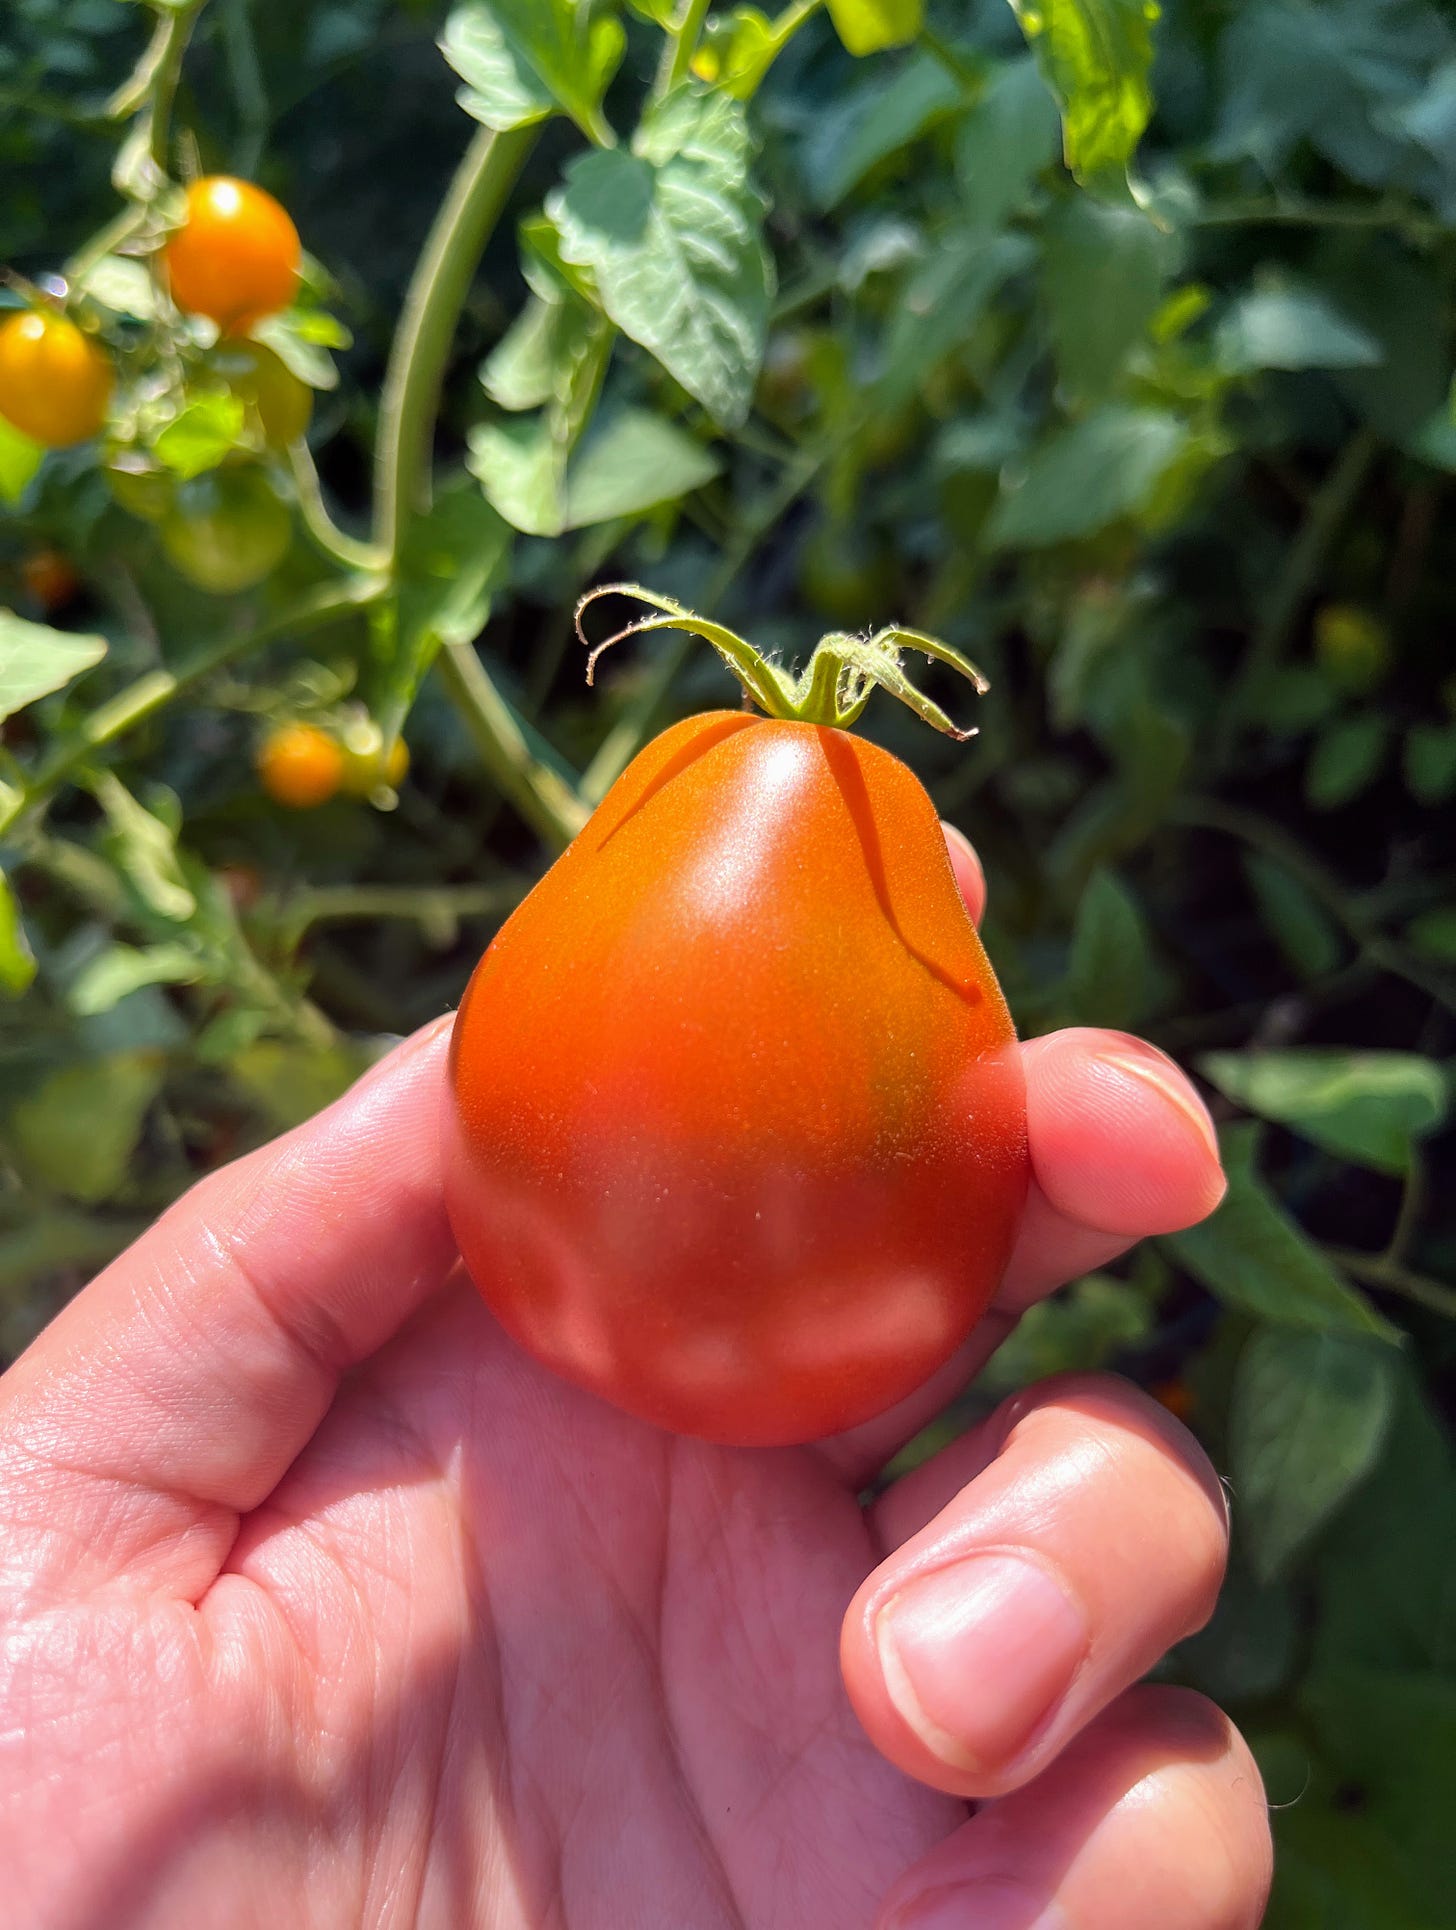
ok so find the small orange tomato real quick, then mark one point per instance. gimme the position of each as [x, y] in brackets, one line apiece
[300, 766]
[236, 255]
[55, 382]
[49, 579]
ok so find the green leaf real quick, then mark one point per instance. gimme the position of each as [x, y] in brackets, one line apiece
[19, 460]
[1086, 476]
[1103, 268]
[1364, 1106]
[17, 961]
[123, 285]
[671, 235]
[1079, 1330]
[1298, 923]
[1107, 971]
[1096, 56]
[77, 1133]
[522, 370]
[631, 463]
[1308, 1415]
[1289, 327]
[453, 561]
[1347, 757]
[115, 973]
[1250, 1648]
[522, 469]
[1253, 1257]
[946, 296]
[874, 121]
[1434, 933]
[35, 660]
[745, 43]
[1429, 762]
[144, 846]
[523, 59]
[202, 435]
[869, 26]
[1007, 138]
[290, 1083]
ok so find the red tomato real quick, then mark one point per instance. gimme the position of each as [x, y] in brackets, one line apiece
[737, 1128]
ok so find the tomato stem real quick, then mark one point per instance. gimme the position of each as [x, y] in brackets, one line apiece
[834, 686]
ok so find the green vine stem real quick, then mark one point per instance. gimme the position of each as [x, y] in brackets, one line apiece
[157, 688]
[681, 45]
[336, 544]
[546, 801]
[432, 306]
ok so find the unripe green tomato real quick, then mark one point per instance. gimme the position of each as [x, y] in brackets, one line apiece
[1352, 644]
[227, 530]
[143, 489]
[263, 382]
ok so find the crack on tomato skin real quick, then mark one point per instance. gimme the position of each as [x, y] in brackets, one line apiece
[849, 778]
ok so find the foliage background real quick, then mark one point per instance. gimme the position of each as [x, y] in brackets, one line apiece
[1174, 468]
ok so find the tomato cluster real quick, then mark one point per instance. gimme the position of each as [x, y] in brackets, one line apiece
[235, 256]
[302, 766]
[55, 381]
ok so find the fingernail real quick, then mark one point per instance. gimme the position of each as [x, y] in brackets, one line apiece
[976, 1656]
[980, 1906]
[1144, 1062]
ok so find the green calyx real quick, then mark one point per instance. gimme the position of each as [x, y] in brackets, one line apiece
[833, 687]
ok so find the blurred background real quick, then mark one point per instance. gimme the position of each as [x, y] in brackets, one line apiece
[1173, 463]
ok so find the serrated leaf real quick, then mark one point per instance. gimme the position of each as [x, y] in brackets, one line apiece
[1008, 136]
[19, 460]
[17, 961]
[1308, 1415]
[632, 463]
[123, 969]
[520, 371]
[1365, 1106]
[1096, 56]
[671, 235]
[202, 435]
[524, 59]
[35, 660]
[1290, 327]
[1103, 268]
[1347, 756]
[1086, 476]
[1107, 969]
[1252, 1256]
[870, 26]
[77, 1133]
[144, 846]
[522, 470]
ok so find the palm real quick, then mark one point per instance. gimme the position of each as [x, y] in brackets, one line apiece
[492, 1652]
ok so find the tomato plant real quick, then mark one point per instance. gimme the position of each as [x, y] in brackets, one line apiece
[754, 1162]
[55, 381]
[300, 766]
[227, 530]
[235, 257]
[267, 386]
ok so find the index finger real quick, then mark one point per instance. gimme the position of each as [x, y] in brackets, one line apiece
[172, 1393]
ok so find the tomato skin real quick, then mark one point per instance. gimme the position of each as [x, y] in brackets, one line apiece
[55, 382]
[300, 766]
[226, 530]
[235, 258]
[736, 1134]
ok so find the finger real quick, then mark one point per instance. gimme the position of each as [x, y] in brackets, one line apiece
[1121, 1147]
[174, 1391]
[1154, 1819]
[1040, 1566]
[969, 876]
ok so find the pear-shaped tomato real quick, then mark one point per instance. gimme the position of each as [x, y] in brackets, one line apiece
[736, 1135]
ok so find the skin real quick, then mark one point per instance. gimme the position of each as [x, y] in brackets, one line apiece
[300, 766]
[55, 382]
[754, 1162]
[236, 255]
[324, 1605]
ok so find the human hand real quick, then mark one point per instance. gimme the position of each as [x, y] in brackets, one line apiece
[325, 1605]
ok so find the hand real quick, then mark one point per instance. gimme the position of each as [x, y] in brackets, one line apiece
[324, 1605]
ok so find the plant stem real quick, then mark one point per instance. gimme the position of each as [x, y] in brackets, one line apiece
[151, 692]
[341, 548]
[545, 800]
[1379, 1271]
[1329, 509]
[427, 325]
[682, 44]
[427, 905]
[165, 76]
[1304, 213]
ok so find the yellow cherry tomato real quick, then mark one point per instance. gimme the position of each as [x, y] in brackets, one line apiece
[300, 766]
[55, 382]
[236, 255]
[367, 771]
